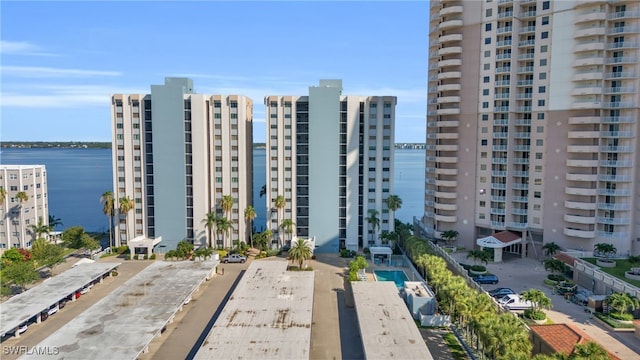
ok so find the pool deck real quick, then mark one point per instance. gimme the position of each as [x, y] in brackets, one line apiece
[397, 263]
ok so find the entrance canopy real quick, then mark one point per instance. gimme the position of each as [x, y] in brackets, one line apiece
[499, 240]
[381, 250]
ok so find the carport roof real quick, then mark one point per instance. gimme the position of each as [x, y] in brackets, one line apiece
[499, 240]
[30, 303]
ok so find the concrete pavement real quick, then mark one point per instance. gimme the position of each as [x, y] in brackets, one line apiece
[522, 274]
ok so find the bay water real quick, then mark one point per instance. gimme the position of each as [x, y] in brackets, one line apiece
[78, 177]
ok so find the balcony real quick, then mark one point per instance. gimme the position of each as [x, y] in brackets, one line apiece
[445, 207]
[505, 14]
[585, 234]
[624, 15]
[449, 75]
[441, 171]
[497, 211]
[616, 149]
[614, 206]
[582, 163]
[499, 147]
[447, 123]
[585, 16]
[504, 56]
[580, 191]
[522, 147]
[622, 60]
[523, 122]
[583, 134]
[497, 224]
[526, 56]
[615, 163]
[614, 221]
[590, 31]
[498, 198]
[524, 82]
[518, 225]
[501, 122]
[504, 69]
[620, 75]
[620, 90]
[527, 29]
[520, 186]
[447, 147]
[578, 219]
[498, 174]
[623, 30]
[525, 69]
[502, 95]
[450, 24]
[526, 43]
[449, 87]
[521, 161]
[615, 178]
[622, 45]
[582, 149]
[504, 29]
[614, 192]
[500, 135]
[581, 177]
[593, 74]
[449, 111]
[584, 120]
[501, 109]
[527, 14]
[587, 90]
[586, 104]
[446, 159]
[450, 62]
[593, 45]
[446, 136]
[497, 186]
[523, 109]
[503, 43]
[446, 183]
[450, 10]
[524, 96]
[589, 60]
[449, 38]
[448, 99]
[618, 120]
[446, 194]
[450, 50]
[620, 235]
[617, 134]
[499, 161]
[578, 205]
[445, 218]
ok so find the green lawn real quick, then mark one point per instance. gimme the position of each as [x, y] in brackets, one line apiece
[618, 271]
[456, 349]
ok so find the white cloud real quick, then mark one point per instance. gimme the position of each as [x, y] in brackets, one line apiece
[21, 48]
[49, 72]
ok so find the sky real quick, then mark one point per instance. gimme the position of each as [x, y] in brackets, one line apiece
[61, 61]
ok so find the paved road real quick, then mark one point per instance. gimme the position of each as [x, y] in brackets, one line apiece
[522, 274]
[38, 332]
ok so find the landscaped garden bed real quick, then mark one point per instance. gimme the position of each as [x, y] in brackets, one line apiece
[614, 324]
[622, 266]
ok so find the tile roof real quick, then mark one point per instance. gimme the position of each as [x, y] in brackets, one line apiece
[566, 258]
[563, 337]
[506, 236]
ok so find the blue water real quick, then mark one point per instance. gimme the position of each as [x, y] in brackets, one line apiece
[397, 276]
[78, 177]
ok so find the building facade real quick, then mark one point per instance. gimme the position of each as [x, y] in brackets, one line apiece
[330, 157]
[532, 122]
[176, 153]
[23, 190]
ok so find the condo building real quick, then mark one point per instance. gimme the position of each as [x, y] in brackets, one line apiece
[330, 156]
[23, 202]
[176, 154]
[533, 122]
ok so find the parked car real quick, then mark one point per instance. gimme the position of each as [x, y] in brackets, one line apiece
[84, 290]
[234, 258]
[499, 293]
[582, 296]
[187, 300]
[486, 279]
[44, 315]
[514, 302]
[53, 309]
[21, 328]
[63, 303]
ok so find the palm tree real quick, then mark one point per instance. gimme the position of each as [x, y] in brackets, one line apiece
[223, 227]
[260, 241]
[3, 195]
[538, 298]
[589, 350]
[268, 236]
[249, 216]
[55, 222]
[279, 203]
[373, 221]
[300, 252]
[125, 205]
[393, 203]
[621, 302]
[479, 256]
[109, 210]
[288, 225]
[22, 197]
[605, 249]
[209, 222]
[550, 248]
[226, 203]
[555, 266]
[40, 228]
[449, 236]
[263, 190]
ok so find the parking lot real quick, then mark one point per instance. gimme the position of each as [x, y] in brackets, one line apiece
[522, 274]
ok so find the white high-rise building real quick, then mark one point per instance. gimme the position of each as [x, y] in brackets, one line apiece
[24, 201]
[330, 157]
[176, 153]
[533, 122]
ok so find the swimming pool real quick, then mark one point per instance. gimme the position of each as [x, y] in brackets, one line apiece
[397, 276]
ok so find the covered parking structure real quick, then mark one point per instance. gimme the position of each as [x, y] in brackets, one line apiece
[122, 324]
[30, 304]
[381, 251]
[498, 242]
[387, 328]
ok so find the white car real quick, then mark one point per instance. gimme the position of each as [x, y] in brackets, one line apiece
[514, 302]
[22, 328]
[53, 309]
[84, 290]
[187, 300]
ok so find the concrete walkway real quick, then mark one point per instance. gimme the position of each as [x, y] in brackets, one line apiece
[522, 274]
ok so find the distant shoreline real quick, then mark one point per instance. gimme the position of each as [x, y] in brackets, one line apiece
[107, 145]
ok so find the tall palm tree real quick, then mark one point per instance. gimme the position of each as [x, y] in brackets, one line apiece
[605, 249]
[249, 216]
[40, 228]
[109, 209]
[550, 248]
[226, 203]
[268, 236]
[373, 221]
[22, 197]
[300, 252]
[394, 203]
[54, 221]
[223, 226]
[210, 222]
[450, 236]
[589, 350]
[288, 225]
[126, 204]
[279, 202]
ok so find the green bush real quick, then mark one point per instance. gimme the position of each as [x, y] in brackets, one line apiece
[114, 273]
[613, 322]
[623, 317]
[273, 252]
[222, 253]
[556, 277]
[346, 253]
[535, 314]
[122, 249]
[366, 251]
[135, 257]
[152, 257]
[127, 257]
[478, 268]
[353, 275]
[146, 257]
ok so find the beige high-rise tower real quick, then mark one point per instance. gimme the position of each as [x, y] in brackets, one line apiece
[533, 123]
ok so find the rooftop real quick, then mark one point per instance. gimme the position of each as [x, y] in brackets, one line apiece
[268, 316]
[562, 337]
[30, 303]
[122, 324]
[387, 328]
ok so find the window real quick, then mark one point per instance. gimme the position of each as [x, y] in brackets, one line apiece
[483, 179]
[542, 89]
[485, 104]
[537, 182]
[541, 102]
[545, 20]
[487, 41]
[488, 12]
[483, 203]
[542, 76]
[540, 116]
[481, 216]
[544, 48]
[544, 35]
[536, 207]
[487, 53]
[539, 129]
[485, 92]
[485, 79]
[484, 142]
[537, 194]
[483, 167]
[234, 104]
[485, 117]
[487, 66]
[536, 220]
[538, 168]
[539, 156]
[484, 130]
[543, 62]
[545, 5]
[539, 142]
[487, 27]
[483, 155]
